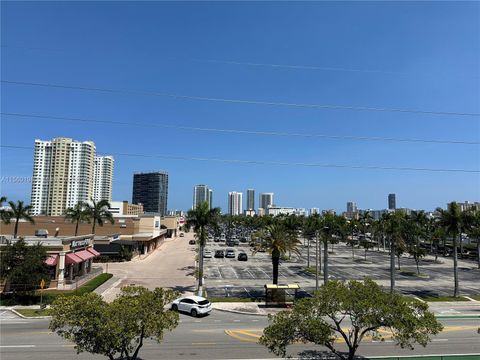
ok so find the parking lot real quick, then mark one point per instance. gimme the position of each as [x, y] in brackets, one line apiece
[230, 277]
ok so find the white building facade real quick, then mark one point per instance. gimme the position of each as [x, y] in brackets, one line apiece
[63, 175]
[102, 189]
[235, 203]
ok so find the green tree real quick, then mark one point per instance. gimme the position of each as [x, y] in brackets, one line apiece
[329, 227]
[368, 308]
[23, 266]
[79, 213]
[416, 229]
[115, 329]
[451, 221]
[474, 232]
[19, 212]
[201, 218]
[277, 240]
[393, 230]
[5, 215]
[98, 213]
[352, 226]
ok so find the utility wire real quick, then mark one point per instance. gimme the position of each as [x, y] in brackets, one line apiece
[277, 163]
[245, 132]
[240, 101]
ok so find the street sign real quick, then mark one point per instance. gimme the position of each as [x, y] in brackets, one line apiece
[42, 284]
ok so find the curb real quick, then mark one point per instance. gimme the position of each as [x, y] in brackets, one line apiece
[29, 317]
[239, 312]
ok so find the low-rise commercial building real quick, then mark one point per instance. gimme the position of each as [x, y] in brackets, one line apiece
[123, 208]
[69, 258]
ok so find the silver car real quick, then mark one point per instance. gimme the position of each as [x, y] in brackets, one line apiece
[207, 253]
[194, 305]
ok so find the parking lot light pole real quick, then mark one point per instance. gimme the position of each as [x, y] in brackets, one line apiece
[325, 256]
[316, 262]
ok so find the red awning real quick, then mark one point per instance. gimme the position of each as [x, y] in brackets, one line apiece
[84, 254]
[52, 260]
[93, 251]
[71, 258]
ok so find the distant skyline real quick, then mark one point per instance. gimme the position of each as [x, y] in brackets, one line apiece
[356, 84]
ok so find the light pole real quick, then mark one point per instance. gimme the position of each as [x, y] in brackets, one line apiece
[325, 255]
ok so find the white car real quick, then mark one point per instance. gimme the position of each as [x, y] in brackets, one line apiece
[194, 305]
[207, 254]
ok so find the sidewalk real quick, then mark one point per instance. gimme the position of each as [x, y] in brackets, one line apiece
[440, 309]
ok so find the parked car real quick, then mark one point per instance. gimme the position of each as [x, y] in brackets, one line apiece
[219, 254]
[207, 253]
[194, 305]
[182, 234]
[230, 253]
[236, 242]
[216, 239]
[229, 243]
[242, 257]
[192, 242]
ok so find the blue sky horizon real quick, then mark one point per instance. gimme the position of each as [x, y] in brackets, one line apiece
[422, 57]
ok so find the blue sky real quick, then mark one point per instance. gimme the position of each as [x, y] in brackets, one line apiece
[415, 55]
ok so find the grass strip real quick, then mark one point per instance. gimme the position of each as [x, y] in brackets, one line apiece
[33, 312]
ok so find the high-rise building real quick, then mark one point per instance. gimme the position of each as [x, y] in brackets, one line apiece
[210, 198]
[250, 199]
[314, 211]
[63, 175]
[392, 202]
[201, 194]
[351, 207]
[235, 203]
[266, 200]
[151, 190]
[102, 189]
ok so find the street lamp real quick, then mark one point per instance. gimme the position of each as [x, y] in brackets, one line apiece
[325, 255]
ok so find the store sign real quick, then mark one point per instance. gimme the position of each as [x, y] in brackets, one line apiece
[79, 243]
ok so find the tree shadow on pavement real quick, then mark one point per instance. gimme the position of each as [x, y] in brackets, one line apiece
[320, 355]
[190, 270]
[184, 289]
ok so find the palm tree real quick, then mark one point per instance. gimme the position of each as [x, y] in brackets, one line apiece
[475, 232]
[393, 229]
[416, 228]
[451, 220]
[98, 213]
[329, 228]
[19, 212]
[200, 219]
[4, 214]
[352, 226]
[277, 240]
[77, 214]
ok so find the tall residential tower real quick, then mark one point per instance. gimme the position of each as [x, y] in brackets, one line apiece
[235, 203]
[266, 200]
[202, 193]
[151, 190]
[64, 174]
[250, 199]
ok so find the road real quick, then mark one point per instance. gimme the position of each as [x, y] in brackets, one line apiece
[218, 336]
[172, 265]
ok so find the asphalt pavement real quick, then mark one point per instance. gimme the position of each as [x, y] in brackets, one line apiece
[220, 335]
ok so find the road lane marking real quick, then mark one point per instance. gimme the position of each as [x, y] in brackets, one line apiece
[17, 346]
[204, 343]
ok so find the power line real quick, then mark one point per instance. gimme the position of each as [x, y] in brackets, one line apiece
[245, 132]
[277, 163]
[293, 67]
[239, 101]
